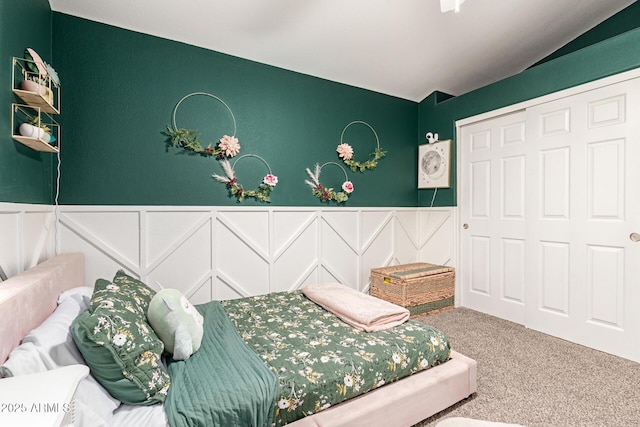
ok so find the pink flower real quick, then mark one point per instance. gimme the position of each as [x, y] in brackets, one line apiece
[270, 180]
[229, 145]
[345, 151]
[347, 186]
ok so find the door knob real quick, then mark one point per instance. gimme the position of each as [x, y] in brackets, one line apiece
[635, 237]
[465, 226]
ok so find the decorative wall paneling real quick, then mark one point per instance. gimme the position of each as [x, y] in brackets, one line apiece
[27, 236]
[212, 253]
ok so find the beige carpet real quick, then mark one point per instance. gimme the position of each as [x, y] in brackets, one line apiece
[529, 378]
[470, 422]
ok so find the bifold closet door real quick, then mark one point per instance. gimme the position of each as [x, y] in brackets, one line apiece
[585, 281]
[550, 217]
[494, 187]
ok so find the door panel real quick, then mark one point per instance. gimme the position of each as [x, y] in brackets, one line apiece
[554, 278]
[588, 207]
[493, 245]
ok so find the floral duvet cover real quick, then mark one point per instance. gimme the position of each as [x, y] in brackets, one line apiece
[320, 360]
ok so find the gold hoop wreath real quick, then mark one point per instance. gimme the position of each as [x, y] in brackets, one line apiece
[326, 194]
[345, 151]
[189, 141]
[262, 193]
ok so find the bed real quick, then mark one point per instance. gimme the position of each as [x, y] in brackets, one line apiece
[29, 301]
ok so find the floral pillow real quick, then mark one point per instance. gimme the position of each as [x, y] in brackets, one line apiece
[118, 344]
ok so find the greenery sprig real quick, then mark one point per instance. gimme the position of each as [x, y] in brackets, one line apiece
[326, 194]
[188, 140]
[345, 151]
[262, 193]
[369, 164]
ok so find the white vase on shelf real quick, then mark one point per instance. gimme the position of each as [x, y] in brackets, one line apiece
[31, 131]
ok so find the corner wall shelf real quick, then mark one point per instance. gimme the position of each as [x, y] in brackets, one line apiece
[42, 98]
[35, 99]
[39, 128]
[36, 144]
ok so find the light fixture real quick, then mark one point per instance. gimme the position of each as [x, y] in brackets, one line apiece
[447, 5]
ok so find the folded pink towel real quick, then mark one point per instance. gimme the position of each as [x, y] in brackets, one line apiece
[362, 311]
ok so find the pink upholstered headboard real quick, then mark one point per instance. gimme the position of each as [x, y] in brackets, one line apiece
[28, 298]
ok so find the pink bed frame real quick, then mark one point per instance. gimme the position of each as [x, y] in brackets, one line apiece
[30, 297]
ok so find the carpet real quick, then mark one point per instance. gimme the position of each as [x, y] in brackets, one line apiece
[469, 422]
[533, 379]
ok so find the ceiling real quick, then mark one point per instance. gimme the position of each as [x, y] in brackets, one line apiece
[403, 48]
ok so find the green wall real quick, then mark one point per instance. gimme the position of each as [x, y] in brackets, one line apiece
[623, 21]
[438, 112]
[119, 89]
[25, 175]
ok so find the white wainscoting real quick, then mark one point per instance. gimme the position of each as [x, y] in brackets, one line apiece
[213, 253]
[26, 236]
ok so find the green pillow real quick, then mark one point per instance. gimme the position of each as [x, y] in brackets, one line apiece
[119, 346]
[176, 322]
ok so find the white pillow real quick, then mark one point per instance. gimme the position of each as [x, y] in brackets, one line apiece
[94, 404]
[50, 346]
[82, 294]
[136, 415]
[54, 334]
[27, 358]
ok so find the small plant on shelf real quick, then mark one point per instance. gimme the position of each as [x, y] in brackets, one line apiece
[38, 76]
[35, 128]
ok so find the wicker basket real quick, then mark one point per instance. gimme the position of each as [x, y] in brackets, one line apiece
[420, 287]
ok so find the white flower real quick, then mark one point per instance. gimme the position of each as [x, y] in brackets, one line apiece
[434, 341]
[113, 288]
[283, 403]
[424, 363]
[119, 340]
[348, 381]
[396, 357]
[324, 359]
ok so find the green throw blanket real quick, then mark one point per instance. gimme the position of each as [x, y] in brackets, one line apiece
[224, 383]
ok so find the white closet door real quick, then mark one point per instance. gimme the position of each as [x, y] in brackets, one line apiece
[494, 192]
[549, 204]
[585, 281]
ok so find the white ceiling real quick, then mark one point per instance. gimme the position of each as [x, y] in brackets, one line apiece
[404, 48]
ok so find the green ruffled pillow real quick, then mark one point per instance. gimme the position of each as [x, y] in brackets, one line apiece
[118, 344]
